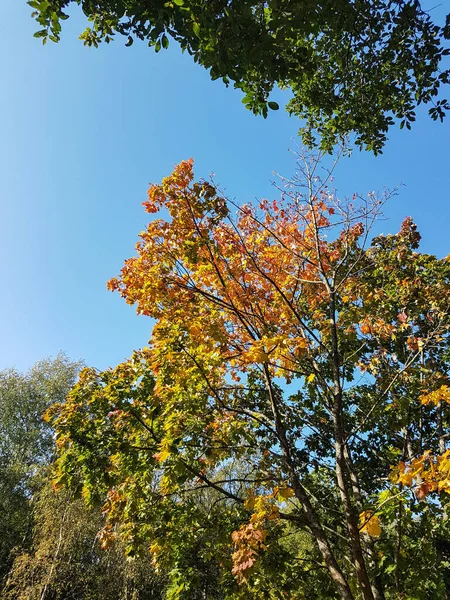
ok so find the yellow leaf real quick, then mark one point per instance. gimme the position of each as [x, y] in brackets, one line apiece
[285, 493]
[162, 456]
[370, 523]
[440, 395]
[311, 377]
[155, 548]
[406, 478]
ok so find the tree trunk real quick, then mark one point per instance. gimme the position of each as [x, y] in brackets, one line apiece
[350, 514]
[366, 540]
[340, 467]
[300, 493]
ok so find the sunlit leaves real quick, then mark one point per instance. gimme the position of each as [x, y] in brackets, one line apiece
[425, 474]
[282, 342]
[370, 523]
[352, 67]
[442, 394]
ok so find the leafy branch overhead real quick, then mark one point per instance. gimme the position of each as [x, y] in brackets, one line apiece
[291, 409]
[352, 66]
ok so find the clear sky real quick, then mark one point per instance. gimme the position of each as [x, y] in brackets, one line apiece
[83, 132]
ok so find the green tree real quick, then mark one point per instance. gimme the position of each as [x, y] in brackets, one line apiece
[289, 419]
[351, 65]
[26, 443]
[66, 561]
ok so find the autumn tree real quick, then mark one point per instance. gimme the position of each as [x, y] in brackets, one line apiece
[351, 65]
[290, 413]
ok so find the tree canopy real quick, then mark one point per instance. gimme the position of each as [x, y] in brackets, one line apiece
[352, 66]
[287, 422]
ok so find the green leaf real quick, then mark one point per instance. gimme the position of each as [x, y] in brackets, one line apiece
[273, 105]
[196, 29]
[129, 41]
[390, 569]
[178, 2]
[165, 41]
[40, 34]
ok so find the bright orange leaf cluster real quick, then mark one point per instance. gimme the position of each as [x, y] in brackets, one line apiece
[246, 278]
[442, 394]
[425, 474]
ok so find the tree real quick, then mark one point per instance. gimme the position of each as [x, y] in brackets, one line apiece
[296, 382]
[66, 560]
[351, 65]
[26, 443]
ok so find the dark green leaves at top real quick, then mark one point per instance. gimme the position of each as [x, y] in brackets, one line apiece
[352, 66]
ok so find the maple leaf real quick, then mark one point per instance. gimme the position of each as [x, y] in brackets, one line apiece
[370, 523]
[422, 491]
[162, 456]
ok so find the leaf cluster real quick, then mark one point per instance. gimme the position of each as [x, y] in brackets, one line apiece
[352, 66]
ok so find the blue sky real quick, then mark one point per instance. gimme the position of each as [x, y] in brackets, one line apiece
[83, 132]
